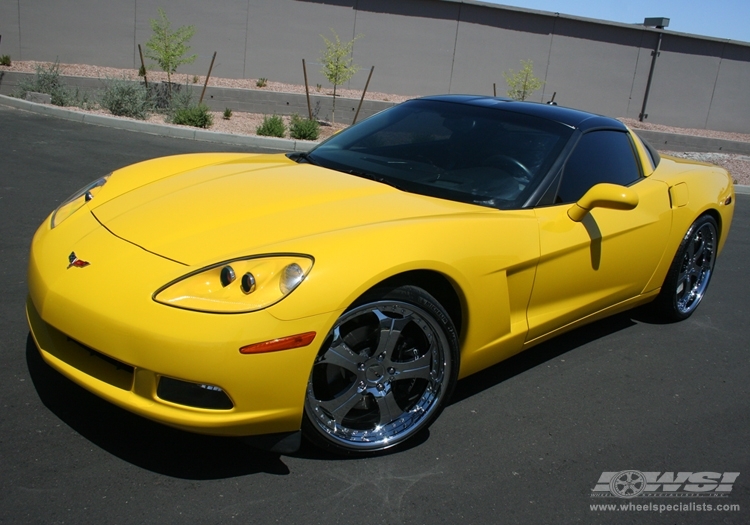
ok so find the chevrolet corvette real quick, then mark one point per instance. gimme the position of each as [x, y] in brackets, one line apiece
[339, 294]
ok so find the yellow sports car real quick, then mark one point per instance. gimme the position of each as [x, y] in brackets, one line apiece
[340, 294]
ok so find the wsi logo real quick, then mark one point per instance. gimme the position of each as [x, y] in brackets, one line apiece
[634, 483]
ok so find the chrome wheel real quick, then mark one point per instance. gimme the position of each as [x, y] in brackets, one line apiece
[690, 273]
[382, 374]
[696, 267]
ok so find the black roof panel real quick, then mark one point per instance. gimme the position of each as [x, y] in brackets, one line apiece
[571, 117]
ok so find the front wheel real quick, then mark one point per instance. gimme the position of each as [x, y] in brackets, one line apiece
[383, 373]
[690, 272]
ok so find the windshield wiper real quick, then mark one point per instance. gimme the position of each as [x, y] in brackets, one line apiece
[372, 176]
[302, 157]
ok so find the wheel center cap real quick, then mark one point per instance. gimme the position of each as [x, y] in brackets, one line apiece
[375, 372]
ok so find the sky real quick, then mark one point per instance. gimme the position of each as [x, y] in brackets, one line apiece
[716, 18]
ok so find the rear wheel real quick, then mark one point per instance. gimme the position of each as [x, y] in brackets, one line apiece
[691, 271]
[383, 373]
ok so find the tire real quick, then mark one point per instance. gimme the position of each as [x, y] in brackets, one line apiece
[690, 272]
[384, 373]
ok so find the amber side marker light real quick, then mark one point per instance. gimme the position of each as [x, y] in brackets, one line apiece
[283, 343]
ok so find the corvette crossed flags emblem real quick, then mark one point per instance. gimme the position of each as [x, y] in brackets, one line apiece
[76, 262]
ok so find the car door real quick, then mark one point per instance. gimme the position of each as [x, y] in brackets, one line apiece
[610, 255]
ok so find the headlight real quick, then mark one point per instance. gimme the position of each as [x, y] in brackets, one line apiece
[239, 285]
[75, 201]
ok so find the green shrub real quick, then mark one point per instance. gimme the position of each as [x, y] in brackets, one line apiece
[304, 128]
[261, 82]
[181, 98]
[126, 99]
[182, 110]
[197, 116]
[227, 114]
[47, 80]
[83, 99]
[5, 60]
[272, 126]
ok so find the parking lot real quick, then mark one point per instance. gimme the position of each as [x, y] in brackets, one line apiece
[523, 442]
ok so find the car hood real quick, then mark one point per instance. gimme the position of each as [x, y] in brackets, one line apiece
[240, 207]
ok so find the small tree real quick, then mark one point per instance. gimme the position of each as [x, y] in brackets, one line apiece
[168, 48]
[338, 66]
[523, 83]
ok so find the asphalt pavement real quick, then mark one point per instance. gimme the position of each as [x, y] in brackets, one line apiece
[523, 442]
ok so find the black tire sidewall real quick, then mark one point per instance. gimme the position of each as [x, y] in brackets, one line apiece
[665, 304]
[420, 298]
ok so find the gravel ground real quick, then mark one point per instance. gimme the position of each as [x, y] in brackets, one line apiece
[737, 165]
[82, 70]
[247, 123]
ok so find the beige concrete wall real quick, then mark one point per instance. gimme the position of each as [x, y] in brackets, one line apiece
[418, 47]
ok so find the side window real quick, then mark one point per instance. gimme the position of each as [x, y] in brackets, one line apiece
[652, 153]
[600, 156]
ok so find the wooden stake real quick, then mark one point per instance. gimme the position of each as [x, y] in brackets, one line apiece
[143, 65]
[363, 95]
[307, 89]
[210, 68]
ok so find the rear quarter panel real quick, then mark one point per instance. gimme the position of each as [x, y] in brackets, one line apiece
[696, 188]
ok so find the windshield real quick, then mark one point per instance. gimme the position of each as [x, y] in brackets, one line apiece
[480, 155]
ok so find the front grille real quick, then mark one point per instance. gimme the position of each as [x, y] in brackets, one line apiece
[119, 365]
[98, 365]
[59, 345]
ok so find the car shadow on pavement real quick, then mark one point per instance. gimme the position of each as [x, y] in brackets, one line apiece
[540, 354]
[185, 455]
[139, 441]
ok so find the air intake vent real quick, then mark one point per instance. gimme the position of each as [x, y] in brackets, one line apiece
[193, 394]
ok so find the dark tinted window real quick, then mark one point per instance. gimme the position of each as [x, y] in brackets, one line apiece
[652, 153]
[600, 156]
[469, 153]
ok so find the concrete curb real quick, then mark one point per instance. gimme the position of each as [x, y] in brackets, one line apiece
[675, 142]
[159, 129]
[209, 136]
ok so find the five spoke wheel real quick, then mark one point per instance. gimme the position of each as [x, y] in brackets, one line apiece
[382, 374]
[691, 270]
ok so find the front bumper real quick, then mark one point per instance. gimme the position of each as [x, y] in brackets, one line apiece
[99, 326]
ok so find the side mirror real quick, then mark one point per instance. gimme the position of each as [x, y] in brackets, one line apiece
[603, 195]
